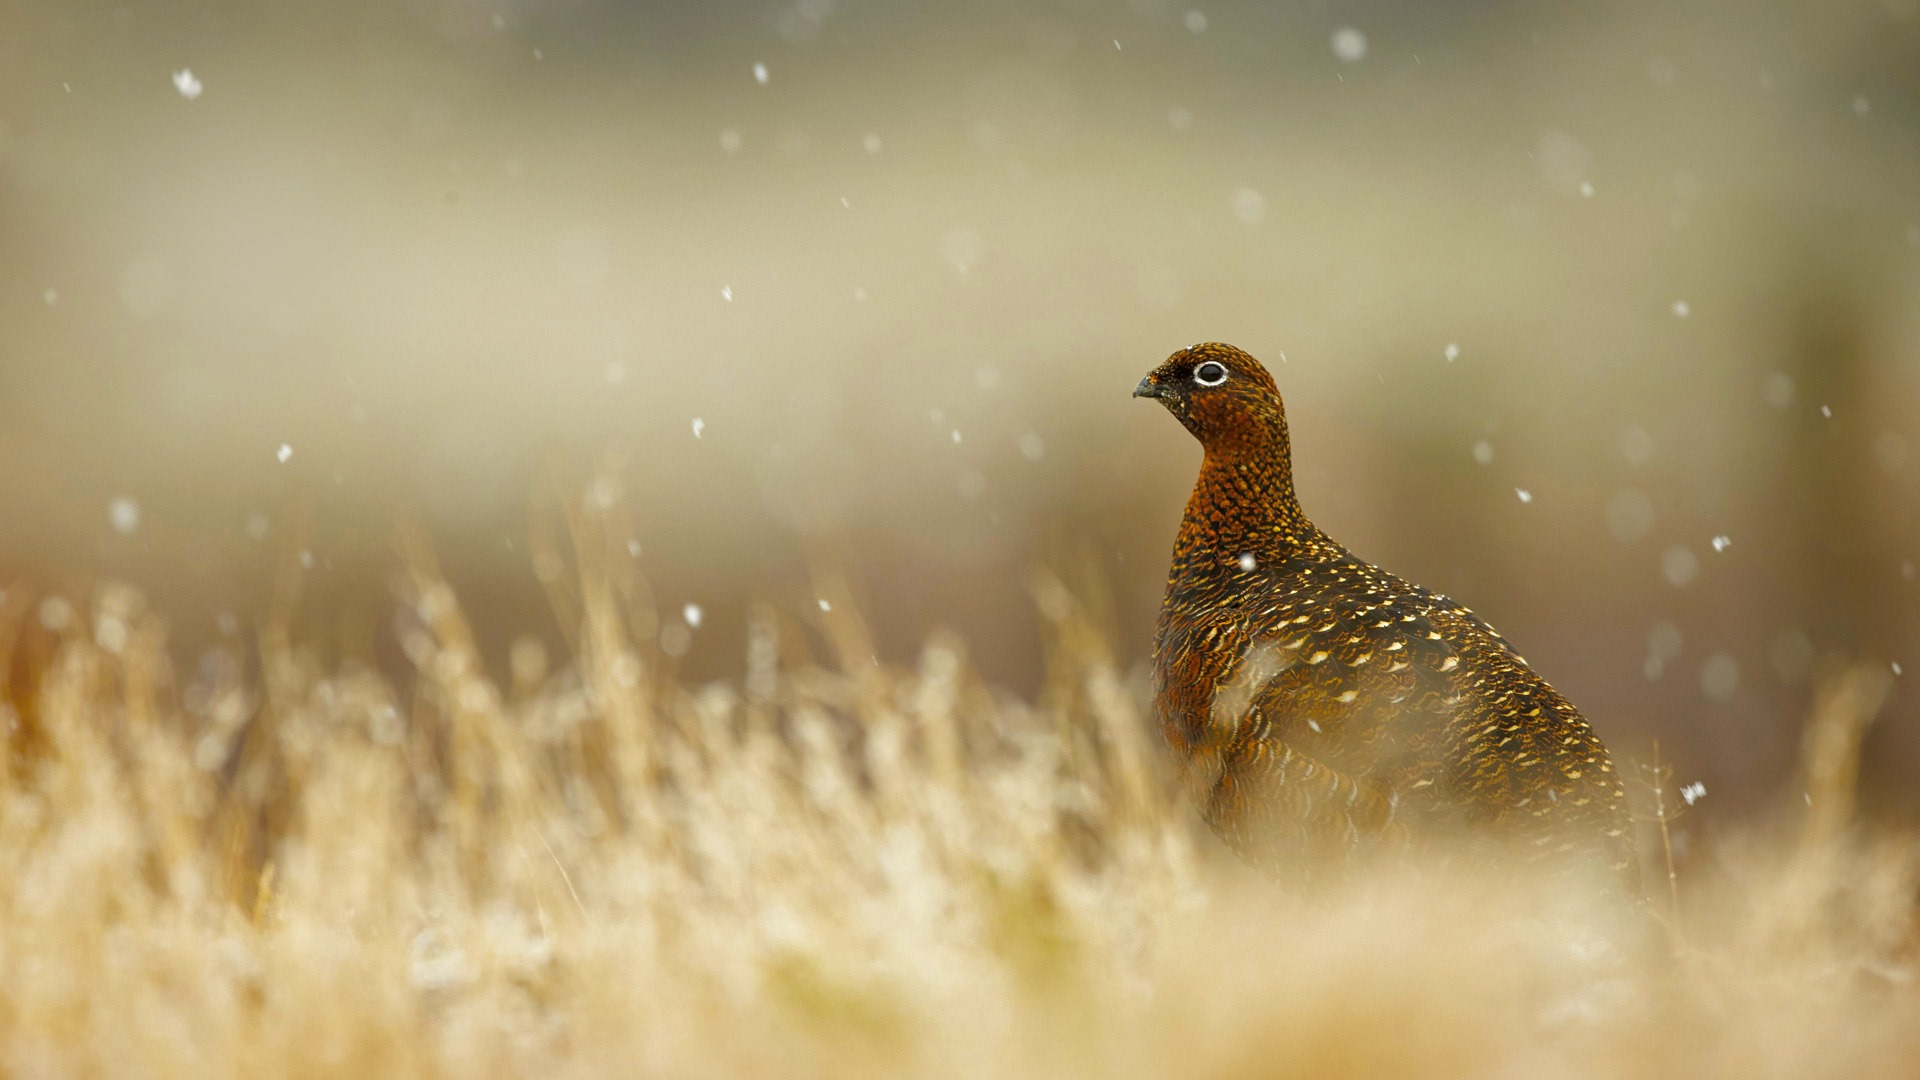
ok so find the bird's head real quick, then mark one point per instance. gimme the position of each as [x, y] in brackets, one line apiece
[1223, 396]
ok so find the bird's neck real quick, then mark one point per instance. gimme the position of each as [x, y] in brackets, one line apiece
[1242, 505]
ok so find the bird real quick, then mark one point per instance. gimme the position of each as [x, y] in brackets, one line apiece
[1322, 710]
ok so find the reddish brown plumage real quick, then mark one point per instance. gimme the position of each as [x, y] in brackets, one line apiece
[1319, 705]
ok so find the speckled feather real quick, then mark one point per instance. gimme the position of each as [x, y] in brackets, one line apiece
[1320, 706]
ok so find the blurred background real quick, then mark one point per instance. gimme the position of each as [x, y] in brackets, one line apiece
[1603, 319]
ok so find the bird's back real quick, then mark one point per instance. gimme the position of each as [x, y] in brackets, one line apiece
[1321, 705]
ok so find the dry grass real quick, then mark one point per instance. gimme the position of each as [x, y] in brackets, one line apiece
[829, 868]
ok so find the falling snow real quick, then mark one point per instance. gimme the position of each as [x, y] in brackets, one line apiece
[1249, 205]
[1663, 645]
[1679, 565]
[1778, 390]
[1349, 44]
[1637, 446]
[1720, 677]
[603, 493]
[124, 515]
[1019, 137]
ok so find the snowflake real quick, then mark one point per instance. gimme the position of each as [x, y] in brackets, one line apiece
[124, 515]
[1349, 44]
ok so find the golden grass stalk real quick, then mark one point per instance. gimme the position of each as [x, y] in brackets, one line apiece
[829, 867]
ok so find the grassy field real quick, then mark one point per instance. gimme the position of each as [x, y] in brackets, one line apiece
[826, 867]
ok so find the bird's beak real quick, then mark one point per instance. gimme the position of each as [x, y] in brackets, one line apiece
[1147, 388]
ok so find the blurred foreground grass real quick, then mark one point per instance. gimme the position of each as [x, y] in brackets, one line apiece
[825, 867]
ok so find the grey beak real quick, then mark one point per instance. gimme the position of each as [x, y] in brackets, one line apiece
[1147, 388]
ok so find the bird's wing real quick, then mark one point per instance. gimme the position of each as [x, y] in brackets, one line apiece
[1522, 751]
[1362, 704]
[1282, 808]
[1364, 678]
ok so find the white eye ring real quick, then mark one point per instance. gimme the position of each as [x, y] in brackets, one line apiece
[1211, 373]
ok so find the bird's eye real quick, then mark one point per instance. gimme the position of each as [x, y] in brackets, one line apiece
[1211, 373]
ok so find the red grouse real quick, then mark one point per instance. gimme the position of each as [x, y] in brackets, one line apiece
[1320, 706]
